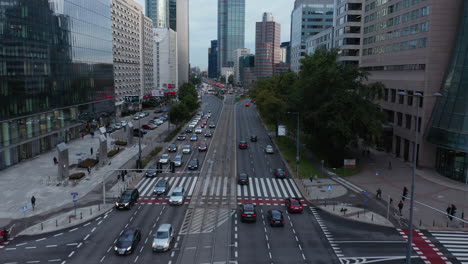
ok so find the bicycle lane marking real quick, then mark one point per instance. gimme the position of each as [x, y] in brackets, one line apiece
[424, 247]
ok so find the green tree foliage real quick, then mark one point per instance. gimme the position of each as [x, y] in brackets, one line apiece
[187, 89]
[335, 102]
[222, 79]
[178, 113]
[231, 79]
[195, 80]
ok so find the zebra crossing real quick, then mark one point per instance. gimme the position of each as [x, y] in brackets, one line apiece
[218, 186]
[456, 242]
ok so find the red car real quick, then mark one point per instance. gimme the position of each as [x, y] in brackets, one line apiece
[243, 144]
[148, 127]
[202, 146]
[247, 104]
[293, 205]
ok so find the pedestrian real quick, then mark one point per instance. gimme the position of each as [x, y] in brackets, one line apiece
[453, 210]
[390, 165]
[405, 193]
[118, 176]
[123, 177]
[82, 135]
[55, 161]
[449, 211]
[89, 170]
[33, 202]
[379, 194]
[91, 151]
[92, 134]
[400, 206]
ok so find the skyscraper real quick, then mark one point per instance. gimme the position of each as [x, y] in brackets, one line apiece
[267, 46]
[213, 59]
[60, 81]
[238, 53]
[231, 30]
[158, 11]
[308, 18]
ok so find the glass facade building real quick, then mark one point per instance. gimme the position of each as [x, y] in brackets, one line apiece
[56, 74]
[158, 11]
[231, 30]
[213, 60]
[449, 123]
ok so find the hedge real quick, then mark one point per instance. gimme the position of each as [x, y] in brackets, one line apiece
[88, 163]
[112, 153]
[76, 176]
[121, 143]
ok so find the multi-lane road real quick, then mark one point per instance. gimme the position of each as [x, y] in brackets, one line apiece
[208, 227]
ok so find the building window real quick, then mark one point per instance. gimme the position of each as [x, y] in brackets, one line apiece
[399, 119]
[393, 91]
[401, 98]
[386, 94]
[410, 98]
[408, 121]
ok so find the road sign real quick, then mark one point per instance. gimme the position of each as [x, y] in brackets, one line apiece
[329, 188]
[74, 193]
[25, 208]
[377, 174]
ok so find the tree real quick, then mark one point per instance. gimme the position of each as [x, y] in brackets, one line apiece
[191, 102]
[194, 79]
[231, 79]
[187, 89]
[222, 79]
[178, 113]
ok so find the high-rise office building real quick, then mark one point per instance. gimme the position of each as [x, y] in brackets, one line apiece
[285, 51]
[213, 60]
[182, 28]
[408, 46]
[308, 18]
[165, 59]
[267, 46]
[133, 53]
[347, 24]
[158, 11]
[59, 81]
[237, 54]
[247, 70]
[231, 30]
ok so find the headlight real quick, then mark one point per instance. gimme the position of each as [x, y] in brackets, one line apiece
[116, 248]
[129, 248]
[116, 204]
[126, 204]
[154, 244]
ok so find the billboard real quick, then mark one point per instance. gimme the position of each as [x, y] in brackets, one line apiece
[157, 93]
[281, 130]
[132, 99]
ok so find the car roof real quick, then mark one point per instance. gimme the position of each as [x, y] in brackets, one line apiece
[129, 232]
[248, 207]
[243, 174]
[187, 146]
[164, 227]
[178, 189]
[165, 154]
[162, 181]
[178, 156]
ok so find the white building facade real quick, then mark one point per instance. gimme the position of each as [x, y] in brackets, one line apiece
[236, 56]
[165, 59]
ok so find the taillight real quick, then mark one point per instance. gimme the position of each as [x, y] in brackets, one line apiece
[300, 207]
[254, 215]
[292, 207]
[272, 221]
[282, 221]
[243, 215]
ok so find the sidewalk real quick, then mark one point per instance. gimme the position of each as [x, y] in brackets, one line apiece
[38, 177]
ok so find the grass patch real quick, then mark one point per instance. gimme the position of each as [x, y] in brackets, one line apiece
[173, 133]
[288, 148]
[120, 143]
[344, 172]
[152, 154]
[271, 127]
[112, 153]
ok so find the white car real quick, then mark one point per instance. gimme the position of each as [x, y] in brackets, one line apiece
[178, 195]
[269, 149]
[142, 115]
[164, 159]
[198, 130]
[123, 123]
[186, 149]
[118, 126]
[136, 117]
[192, 125]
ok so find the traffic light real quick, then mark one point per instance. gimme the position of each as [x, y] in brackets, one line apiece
[172, 167]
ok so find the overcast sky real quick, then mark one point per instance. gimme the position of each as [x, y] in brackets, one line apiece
[203, 24]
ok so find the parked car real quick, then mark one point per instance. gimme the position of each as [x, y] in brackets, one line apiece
[137, 132]
[243, 178]
[164, 158]
[123, 123]
[178, 160]
[149, 126]
[247, 104]
[151, 172]
[110, 129]
[193, 164]
[127, 242]
[118, 126]
[141, 115]
[269, 149]
[275, 217]
[163, 238]
[293, 205]
[172, 148]
[161, 187]
[136, 117]
[177, 197]
[248, 212]
[186, 149]
[146, 113]
[128, 198]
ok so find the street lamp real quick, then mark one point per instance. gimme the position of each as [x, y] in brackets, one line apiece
[409, 246]
[297, 142]
[140, 133]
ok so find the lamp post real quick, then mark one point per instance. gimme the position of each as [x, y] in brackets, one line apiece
[409, 246]
[140, 133]
[297, 142]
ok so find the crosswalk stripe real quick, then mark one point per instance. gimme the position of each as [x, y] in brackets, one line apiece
[257, 187]
[281, 185]
[225, 186]
[251, 188]
[263, 187]
[213, 186]
[194, 182]
[293, 183]
[138, 186]
[239, 190]
[276, 188]
[290, 193]
[205, 187]
[149, 186]
[270, 189]
[218, 188]
[182, 182]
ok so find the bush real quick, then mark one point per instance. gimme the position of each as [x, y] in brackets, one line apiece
[76, 176]
[121, 143]
[112, 153]
[87, 163]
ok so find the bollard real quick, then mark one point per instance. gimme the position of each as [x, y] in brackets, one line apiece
[420, 222]
[99, 207]
[42, 226]
[69, 219]
[56, 223]
[433, 223]
[91, 211]
[333, 207]
[81, 215]
[358, 214]
[372, 218]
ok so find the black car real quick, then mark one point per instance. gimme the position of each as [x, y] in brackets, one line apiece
[275, 217]
[253, 138]
[137, 132]
[248, 212]
[280, 173]
[188, 130]
[181, 137]
[243, 178]
[127, 242]
[212, 125]
[208, 133]
[172, 148]
[193, 164]
[128, 199]
[151, 172]
[157, 111]
[162, 187]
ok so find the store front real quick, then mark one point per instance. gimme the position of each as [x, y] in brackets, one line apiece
[452, 164]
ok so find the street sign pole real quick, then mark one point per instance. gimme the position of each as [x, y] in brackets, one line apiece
[74, 194]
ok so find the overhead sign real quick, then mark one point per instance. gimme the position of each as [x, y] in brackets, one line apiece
[132, 99]
[157, 93]
[281, 130]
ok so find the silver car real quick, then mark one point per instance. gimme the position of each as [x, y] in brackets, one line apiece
[123, 123]
[178, 160]
[164, 159]
[198, 130]
[186, 149]
[162, 187]
[163, 237]
[269, 149]
[177, 197]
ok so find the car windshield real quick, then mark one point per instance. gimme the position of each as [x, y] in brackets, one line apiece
[165, 156]
[187, 147]
[162, 234]
[126, 196]
[177, 194]
[161, 184]
[276, 215]
[126, 238]
[294, 202]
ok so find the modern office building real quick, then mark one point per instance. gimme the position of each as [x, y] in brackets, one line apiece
[322, 40]
[158, 11]
[247, 70]
[408, 45]
[285, 51]
[164, 59]
[308, 18]
[182, 29]
[237, 54]
[133, 53]
[173, 15]
[347, 24]
[231, 30]
[226, 72]
[267, 46]
[213, 60]
[56, 79]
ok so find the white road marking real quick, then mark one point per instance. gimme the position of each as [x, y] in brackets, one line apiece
[136, 259]
[59, 234]
[79, 245]
[22, 244]
[99, 222]
[87, 224]
[71, 254]
[51, 246]
[86, 237]
[74, 229]
[94, 229]
[54, 260]
[72, 244]
[102, 259]
[30, 247]
[37, 240]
